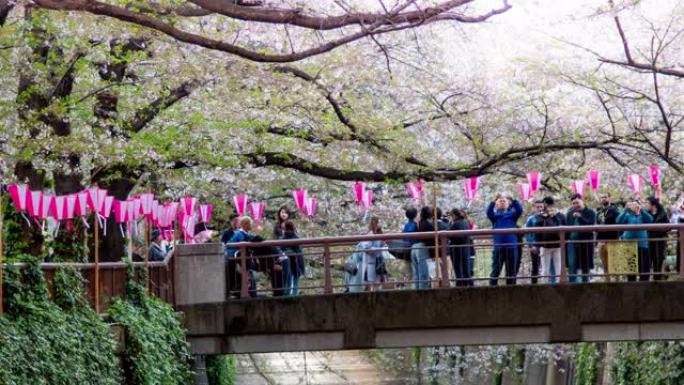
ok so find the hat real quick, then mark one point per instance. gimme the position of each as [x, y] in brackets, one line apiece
[155, 234]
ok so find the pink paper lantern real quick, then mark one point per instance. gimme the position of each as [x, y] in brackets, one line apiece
[359, 189]
[71, 206]
[310, 207]
[58, 208]
[96, 198]
[240, 204]
[525, 191]
[19, 195]
[256, 210]
[300, 198]
[594, 179]
[367, 199]
[578, 187]
[414, 191]
[655, 173]
[205, 213]
[470, 187]
[120, 209]
[146, 204]
[534, 179]
[34, 204]
[81, 204]
[635, 182]
[107, 206]
[46, 205]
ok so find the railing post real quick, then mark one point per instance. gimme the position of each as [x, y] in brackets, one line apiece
[444, 245]
[244, 279]
[680, 232]
[564, 256]
[327, 289]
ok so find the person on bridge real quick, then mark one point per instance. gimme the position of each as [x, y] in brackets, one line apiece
[634, 214]
[657, 244]
[296, 259]
[243, 234]
[374, 263]
[531, 239]
[606, 214]
[156, 253]
[581, 247]
[284, 214]
[549, 243]
[234, 226]
[504, 214]
[460, 249]
[421, 251]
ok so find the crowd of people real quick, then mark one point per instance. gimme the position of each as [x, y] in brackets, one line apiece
[366, 268]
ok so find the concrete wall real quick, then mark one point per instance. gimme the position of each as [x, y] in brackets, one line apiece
[199, 274]
[473, 316]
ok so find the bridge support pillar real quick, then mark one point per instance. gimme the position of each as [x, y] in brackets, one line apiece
[199, 366]
[199, 274]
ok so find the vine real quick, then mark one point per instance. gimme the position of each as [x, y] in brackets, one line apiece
[156, 349]
[586, 361]
[53, 343]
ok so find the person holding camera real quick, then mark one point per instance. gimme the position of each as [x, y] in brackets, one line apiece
[504, 214]
[549, 243]
[582, 242]
[634, 214]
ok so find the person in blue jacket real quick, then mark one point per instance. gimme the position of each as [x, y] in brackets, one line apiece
[504, 214]
[634, 214]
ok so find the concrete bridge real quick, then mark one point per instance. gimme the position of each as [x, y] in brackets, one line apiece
[459, 316]
[520, 314]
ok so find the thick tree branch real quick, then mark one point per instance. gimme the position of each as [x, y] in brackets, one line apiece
[297, 17]
[484, 166]
[146, 114]
[381, 26]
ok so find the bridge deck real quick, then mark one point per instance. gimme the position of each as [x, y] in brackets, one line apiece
[457, 316]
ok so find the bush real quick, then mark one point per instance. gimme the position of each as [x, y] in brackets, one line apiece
[221, 370]
[42, 343]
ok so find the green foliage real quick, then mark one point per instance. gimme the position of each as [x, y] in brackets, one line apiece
[42, 343]
[221, 370]
[586, 361]
[652, 363]
[16, 242]
[156, 350]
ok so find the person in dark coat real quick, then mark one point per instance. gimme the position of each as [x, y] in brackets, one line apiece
[228, 233]
[606, 214]
[156, 253]
[582, 242]
[549, 243]
[295, 259]
[657, 240]
[460, 249]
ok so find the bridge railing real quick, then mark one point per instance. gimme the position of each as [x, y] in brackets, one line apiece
[339, 264]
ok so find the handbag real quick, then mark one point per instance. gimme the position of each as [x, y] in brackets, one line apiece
[401, 249]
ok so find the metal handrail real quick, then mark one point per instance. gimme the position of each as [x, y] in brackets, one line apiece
[350, 239]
